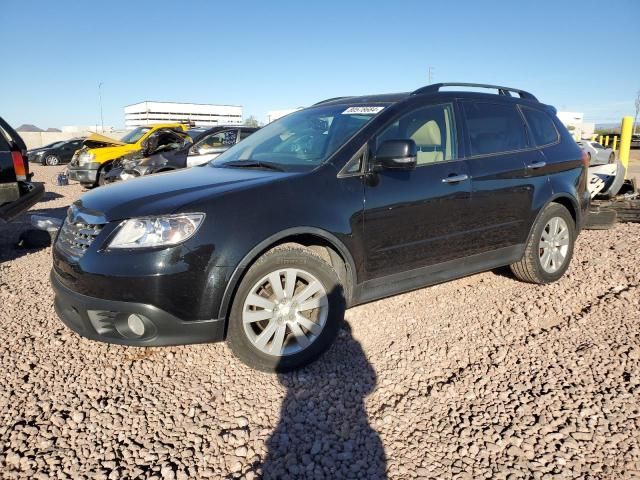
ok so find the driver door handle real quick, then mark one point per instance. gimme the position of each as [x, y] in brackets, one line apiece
[456, 178]
[533, 166]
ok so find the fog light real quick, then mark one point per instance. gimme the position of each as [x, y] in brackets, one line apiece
[136, 325]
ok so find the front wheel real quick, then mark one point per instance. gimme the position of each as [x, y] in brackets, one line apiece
[51, 160]
[550, 247]
[286, 311]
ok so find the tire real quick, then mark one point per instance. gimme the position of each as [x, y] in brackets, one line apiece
[530, 268]
[51, 160]
[100, 180]
[612, 158]
[589, 157]
[279, 318]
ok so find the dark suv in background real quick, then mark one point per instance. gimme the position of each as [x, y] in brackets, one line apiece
[348, 201]
[17, 192]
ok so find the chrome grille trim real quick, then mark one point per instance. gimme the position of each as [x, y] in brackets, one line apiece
[77, 234]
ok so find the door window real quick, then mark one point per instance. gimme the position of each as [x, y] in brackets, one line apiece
[244, 134]
[215, 142]
[541, 126]
[431, 128]
[494, 128]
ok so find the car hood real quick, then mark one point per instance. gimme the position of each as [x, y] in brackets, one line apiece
[171, 192]
[97, 138]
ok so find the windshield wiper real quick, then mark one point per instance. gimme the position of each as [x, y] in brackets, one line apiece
[253, 164]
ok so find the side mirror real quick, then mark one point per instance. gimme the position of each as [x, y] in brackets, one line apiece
[397, 154]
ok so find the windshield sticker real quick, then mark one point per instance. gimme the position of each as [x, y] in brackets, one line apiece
[362, 110]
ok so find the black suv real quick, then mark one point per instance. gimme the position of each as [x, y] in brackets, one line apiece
[17, 192]
[348, 201]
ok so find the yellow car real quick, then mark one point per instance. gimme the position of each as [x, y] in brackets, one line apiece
[90, 164]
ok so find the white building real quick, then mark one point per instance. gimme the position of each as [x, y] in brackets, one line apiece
[574, 121]
[149, 113]
[276, 114]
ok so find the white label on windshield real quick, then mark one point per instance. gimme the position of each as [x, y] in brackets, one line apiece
[362, 110]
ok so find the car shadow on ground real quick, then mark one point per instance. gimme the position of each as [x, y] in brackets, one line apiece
[19, 237]
[324, 430]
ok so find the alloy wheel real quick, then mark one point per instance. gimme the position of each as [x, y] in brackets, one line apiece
[51, 160]
[554, 244]
[285, 312]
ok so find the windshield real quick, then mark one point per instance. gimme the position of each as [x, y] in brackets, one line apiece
[134, 135]
[302, 140]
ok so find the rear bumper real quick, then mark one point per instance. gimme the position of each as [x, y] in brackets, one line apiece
[107, 321]
[12, 209]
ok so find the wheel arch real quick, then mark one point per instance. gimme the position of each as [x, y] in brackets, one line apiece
[566, 201]
[338, 255]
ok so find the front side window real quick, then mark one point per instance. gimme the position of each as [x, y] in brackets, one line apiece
[494, 128]
[134, 135]
[301, 140]
[541, 126]
[431, 128]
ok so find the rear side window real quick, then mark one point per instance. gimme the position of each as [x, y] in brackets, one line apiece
[494, 128]
[541, 126]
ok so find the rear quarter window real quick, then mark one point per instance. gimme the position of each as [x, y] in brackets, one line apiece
[494, 128]
[541, 126]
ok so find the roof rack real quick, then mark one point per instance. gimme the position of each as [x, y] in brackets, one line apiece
[328, 100]
[435, 88]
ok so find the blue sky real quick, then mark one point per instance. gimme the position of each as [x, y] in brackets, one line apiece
[280, 54]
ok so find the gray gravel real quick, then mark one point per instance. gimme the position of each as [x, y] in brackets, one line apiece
[483, 377]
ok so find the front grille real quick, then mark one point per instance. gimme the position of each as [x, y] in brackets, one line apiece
[77, 236]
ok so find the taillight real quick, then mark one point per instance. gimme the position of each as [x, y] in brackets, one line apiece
[585, 159]
[20, 166]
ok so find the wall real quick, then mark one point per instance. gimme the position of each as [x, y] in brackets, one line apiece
[39, 139]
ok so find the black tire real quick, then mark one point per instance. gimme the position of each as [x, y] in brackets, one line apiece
[100, 180]
[529, 268]
[51, 160]
[612, 158]
[286, 256]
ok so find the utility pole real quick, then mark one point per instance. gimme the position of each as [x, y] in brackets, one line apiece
[100, 95]
[430, 75]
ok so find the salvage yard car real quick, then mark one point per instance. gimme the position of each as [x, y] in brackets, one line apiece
[17, 192]
[198, 147]
[55, 153]
[91, 163]
[348, 201]
[598, 154]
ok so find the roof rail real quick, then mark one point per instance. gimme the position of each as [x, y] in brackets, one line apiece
[328, 100]
[435, 88]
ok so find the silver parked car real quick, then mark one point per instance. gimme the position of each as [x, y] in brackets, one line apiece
[598, 154]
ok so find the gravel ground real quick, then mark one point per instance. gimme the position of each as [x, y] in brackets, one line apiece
[483, 377]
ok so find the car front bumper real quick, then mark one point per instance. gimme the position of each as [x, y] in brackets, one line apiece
[110, 321]
[83, 175]
[24, 202]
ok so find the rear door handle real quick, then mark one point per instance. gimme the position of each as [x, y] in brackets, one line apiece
[456, 178]
[533, 166]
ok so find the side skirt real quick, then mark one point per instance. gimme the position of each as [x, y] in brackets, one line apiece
[442, 272]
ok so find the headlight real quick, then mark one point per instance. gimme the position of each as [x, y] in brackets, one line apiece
[85, 158]
[157, 231]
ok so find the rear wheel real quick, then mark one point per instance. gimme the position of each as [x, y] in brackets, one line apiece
[549, 248]
[612, 158]
[287, 310]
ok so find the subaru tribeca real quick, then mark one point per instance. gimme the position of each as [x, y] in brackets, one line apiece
[342, 203]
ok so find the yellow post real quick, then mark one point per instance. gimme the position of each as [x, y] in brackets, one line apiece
[625, 140]
[606, 141]
[600, 140]
[593, 137]
[615, 143]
